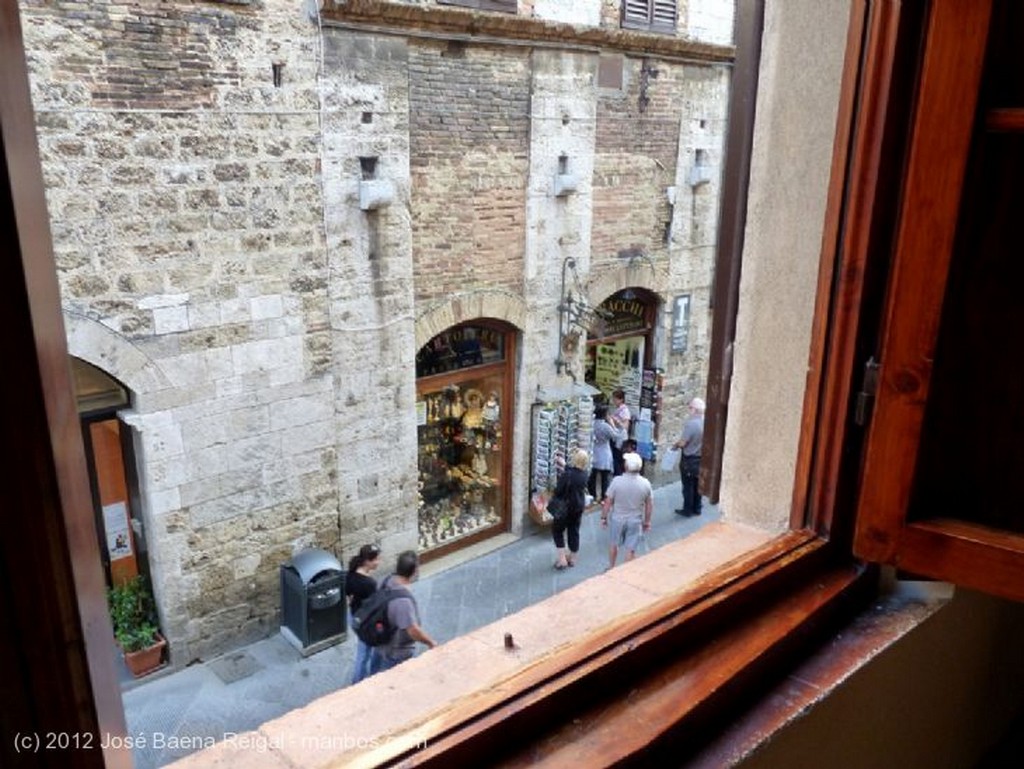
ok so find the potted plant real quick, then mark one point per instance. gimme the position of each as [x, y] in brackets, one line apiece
[133, 615]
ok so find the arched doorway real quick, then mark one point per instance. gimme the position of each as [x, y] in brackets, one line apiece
[620, 356]
[464, 408]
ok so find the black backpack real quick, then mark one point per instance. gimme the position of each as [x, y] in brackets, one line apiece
[371, 618]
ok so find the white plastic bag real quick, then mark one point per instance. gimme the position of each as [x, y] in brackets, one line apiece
[670, 459]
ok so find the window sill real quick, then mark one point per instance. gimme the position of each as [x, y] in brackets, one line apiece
[852, 649]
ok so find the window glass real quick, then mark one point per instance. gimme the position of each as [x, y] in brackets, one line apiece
[462, 488]
[459, 348]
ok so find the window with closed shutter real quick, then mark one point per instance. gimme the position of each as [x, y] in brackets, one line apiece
[652, 15]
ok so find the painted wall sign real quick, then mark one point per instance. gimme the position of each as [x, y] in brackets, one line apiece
[680, 323]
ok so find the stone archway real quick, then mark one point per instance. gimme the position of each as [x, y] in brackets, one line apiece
[473, 305]
[643, 274]
[94, 343]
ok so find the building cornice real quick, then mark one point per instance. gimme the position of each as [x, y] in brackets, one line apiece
[454, 23]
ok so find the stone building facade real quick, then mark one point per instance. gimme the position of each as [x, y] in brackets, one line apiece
[263, 210]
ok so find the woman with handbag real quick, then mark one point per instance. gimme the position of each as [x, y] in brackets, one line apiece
[568, 502]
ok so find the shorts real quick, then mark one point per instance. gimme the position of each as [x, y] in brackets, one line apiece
[625, 531]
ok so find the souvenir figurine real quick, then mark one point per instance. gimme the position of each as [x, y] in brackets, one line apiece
[491, 410]
[473, 415]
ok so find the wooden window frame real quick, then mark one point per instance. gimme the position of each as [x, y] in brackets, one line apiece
[672, 674]
[649, 20]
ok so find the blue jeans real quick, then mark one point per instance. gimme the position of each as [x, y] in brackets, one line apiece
[361, 666]
[379, 661]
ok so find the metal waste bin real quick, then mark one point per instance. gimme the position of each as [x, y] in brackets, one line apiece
[313, 614]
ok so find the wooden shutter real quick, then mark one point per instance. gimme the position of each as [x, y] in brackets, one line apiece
[663, 15]
[957, 241]
[654, 15]
[636, 14]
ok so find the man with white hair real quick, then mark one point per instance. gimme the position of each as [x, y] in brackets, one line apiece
[690, 442]
[629, 502]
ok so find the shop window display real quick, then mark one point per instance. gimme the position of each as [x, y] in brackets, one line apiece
[462, 411]
[461, 464]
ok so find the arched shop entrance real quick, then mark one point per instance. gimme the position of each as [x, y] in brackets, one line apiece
[464, 408]
[620, 355]
[111, 465]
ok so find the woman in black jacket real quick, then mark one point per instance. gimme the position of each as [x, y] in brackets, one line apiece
[571, 488]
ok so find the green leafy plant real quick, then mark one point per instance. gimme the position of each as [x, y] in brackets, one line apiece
[133, 614]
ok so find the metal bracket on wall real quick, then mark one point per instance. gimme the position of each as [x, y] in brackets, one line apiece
[575, 314]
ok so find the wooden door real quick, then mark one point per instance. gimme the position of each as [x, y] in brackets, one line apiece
[111, 487]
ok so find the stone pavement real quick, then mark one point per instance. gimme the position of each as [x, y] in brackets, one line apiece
[173, 715]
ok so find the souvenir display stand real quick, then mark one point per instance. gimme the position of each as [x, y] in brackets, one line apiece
[648, 417]
[562, 421]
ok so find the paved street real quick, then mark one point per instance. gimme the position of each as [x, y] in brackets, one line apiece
[175, 714]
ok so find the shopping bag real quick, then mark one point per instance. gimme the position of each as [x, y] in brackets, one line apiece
[670, 459]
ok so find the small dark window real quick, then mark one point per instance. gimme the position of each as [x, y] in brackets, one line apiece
[651, 15]
[368, 168]
[504, 6]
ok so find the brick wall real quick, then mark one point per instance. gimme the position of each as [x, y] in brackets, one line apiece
[468, 134]
[637, 146]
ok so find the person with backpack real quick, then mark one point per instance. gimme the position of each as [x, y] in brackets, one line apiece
[399, 623]
[571, 489]
[359, 585]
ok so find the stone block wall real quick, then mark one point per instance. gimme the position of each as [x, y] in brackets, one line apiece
[187, 219]
[365, 91]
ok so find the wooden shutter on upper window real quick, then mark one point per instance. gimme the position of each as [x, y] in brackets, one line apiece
[663, 15]
[656, 15]
[942, 477]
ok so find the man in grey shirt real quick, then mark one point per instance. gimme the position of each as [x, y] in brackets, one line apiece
[691, 442]
[628, 503]
[403, 615]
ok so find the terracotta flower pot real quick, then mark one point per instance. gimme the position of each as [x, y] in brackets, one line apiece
[146, 660]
